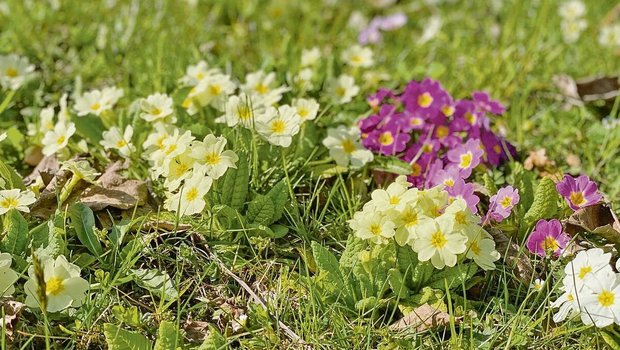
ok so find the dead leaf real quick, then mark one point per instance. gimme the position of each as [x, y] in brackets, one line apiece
[599, 219]
[196, 330]
[514, 256]
[538, 159]
[47, 168]
[422, 318]
[598, 88]
[11, 310]
[573, 161]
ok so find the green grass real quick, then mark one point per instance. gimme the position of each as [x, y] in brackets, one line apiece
[513, 53]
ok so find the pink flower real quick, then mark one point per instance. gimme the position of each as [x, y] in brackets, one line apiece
[501, 204]
[547, 237]
[579, 192]
[464, 190]
[467, 156]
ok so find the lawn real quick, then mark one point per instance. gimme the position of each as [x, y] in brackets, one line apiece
[278, 174]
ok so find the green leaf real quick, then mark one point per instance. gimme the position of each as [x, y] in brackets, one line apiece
[90, 128]
[392, 165]
[120, 339]
[214, 341]
[16, 235]
[235, 183]
[261, 210]
[489, 184]
[366, 304]
[611, 339]
[328, 267]
[279, 196]
[455, 276]
[13, 179]
[545, 202]
[168, 337]
[420, 275]
[397, 283]
[83, 221]
[157, 282]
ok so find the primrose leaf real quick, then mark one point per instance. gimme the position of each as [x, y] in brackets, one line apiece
[157, 282]
[261, 210]
[234, 185]
[83, 220]
[120, 339]
[168, 337]
[16, 235]
[545, 202]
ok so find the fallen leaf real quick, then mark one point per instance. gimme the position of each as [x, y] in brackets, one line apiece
[573, 160]
[598, 88]
[196, 330]
[113, 190]
[514, 256]
[47, 168]
[599, 219]
[538, 159]
[11, 310]
[422, 318]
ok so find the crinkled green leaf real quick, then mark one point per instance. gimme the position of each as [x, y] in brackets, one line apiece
[120, 339]
[12, 178]
[168, 337]
[279, 196]
[214, 341]
[261, 210]
[15, 239]
[397, 283]
[455, 276]
[545, 202]
[157, 282]
[233, 188]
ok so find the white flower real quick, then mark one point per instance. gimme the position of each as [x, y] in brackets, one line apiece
[210, 152]
[57, 139]
[190, 198]
[431, 29]
[481, 248]
[357, 56]
[177, 169]
[464, 218]
[344, 89]
[571, 29]
[396, 196]
[156, 107]
[195, 73]
[212, 90]
[538, 285]
[568, 305]
[263, 85]
[438, 242]
[408, 222]
[307, 108]
[310, 57]
[242, 109]
[587, 263]
[572, 9]
[156, 139]
[15, 71]
[600, 301]
[278, 126]
[3, 136]
[63, 285]
[344, 146]
[97, 101]
[610, 36]
[80, 169]
[8, 277]
[113, 139]
[172, 145]
[303, 79]
[372, 225]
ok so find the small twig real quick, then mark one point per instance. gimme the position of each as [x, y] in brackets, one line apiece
[292, 335]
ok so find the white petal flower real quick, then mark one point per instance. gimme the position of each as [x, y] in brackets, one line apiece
[57, 139]
[310, 57]
[572, 10]
[438, 242]
[210, 152]
[278, 126]
[343, 89]
[113, 139]
[8, 277]
[189, 199]
[344, 146]
[357, 56]
[15, 71]
[307, 108]
[157, 107]
[263, 85]
[242, 109]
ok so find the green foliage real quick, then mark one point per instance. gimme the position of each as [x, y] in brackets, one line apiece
[83, 220]
[233, 188]
[120, 339]
[545, 203]
[12, 178]
[15, 238]
[261, 210]
[214, 341]
[157, 282]
[168, 337]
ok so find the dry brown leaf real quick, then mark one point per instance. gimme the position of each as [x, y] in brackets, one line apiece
[112, 190]
[514, 257]
[599, 219]
[196, 330]
[538, 159]
[47, 168]
[573, 160]
[422, 318]
[11, 310]
[598, 88]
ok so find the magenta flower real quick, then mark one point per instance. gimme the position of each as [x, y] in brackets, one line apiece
[376, 99]
[579, 192]
[484, 103]
[502, 203]
[547, 237]
[372, 33]
[448, 176]
[466, 156]
[464, 190]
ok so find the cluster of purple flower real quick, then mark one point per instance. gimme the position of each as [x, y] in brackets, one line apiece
[443, 139]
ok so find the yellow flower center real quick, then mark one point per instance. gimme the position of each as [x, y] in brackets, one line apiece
[425, 100]
[215, 89]
[54, 286]
[187, 103]
[411, 218]
[448, 182]
[181, 169]
[466, 160]
[278, 126]
[171, 149]
[95, 106]
[606, 298]
[471, 118]
[303, 112]
[340, 91]
[570, 297]
[475, 247]
[60, 140]
[394, 200]
[447, 110]
[438, 240]
[9, 203]
[191, 194]
[416, 169]
[442, 131]
[375, 229]
[549, 243]
[261, 88]
[415, 121]
[11, 72]
[213, 158]
[356, 59]
[497, 149]
[584, 271]
[506, 202]
[121, 143]
[348, 146]
[200, 75]
[244, 112]
[577, 198]
[386, 138]
[460, 218]
[155, 111]
[427, 148]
